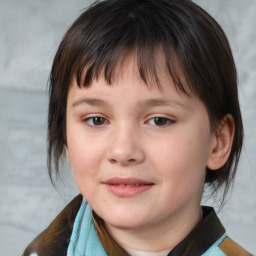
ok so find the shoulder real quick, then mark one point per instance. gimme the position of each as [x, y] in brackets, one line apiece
[231, 248]
[56, 237]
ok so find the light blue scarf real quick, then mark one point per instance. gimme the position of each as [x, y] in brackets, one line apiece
[84, 240]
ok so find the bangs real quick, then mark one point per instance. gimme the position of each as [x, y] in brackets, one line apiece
[102, 49]
[146, 59]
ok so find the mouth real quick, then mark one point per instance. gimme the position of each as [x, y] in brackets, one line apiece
[127, 187]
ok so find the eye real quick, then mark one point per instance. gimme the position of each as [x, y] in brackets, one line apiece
[160, 121]
[95, 121]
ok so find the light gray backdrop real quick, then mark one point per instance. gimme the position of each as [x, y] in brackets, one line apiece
[30, 31]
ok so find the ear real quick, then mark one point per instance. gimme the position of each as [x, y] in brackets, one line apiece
[221, 143]
[67, 155]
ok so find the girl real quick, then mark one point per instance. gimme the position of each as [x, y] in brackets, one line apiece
[143, 102]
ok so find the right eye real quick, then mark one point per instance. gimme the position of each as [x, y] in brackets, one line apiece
[95, 121]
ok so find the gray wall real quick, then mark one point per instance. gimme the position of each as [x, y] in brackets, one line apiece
[30, 31]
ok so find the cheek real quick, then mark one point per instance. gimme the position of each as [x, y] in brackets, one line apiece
[182, 159]
[85, 163]
[85, 156]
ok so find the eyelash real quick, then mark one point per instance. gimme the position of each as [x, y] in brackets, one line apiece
[90, 121]
[167, 121]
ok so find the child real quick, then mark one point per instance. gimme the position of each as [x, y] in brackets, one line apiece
[143, 102]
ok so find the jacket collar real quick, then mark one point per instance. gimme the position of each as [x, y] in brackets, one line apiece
[202, 237]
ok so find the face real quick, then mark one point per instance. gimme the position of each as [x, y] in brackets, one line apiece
[138, 153]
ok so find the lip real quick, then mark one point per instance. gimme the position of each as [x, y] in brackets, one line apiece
[127, 187]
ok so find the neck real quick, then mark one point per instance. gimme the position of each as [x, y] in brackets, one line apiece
[157, 237]
[141, 253]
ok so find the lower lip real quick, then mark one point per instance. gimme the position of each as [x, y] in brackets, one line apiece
[121, 191]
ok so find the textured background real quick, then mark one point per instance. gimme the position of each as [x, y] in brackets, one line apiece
[30, 31]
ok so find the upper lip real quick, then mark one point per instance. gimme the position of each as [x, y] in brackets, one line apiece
[127, 181]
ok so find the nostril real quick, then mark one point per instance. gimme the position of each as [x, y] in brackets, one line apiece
[129, 161]
[112, 161]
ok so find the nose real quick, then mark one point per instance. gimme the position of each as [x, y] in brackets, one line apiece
[125, 147]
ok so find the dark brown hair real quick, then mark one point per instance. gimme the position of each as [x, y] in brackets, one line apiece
[193, 44]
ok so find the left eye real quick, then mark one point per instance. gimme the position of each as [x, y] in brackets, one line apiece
[95, 121]
[160, 121]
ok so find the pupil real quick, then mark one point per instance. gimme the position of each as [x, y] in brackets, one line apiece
[98, 120]
[160, 121]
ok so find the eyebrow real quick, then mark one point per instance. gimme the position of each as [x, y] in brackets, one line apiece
[90, 101]
[95, 102]
[162, 102]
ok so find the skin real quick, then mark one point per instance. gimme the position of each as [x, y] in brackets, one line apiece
[112, 133]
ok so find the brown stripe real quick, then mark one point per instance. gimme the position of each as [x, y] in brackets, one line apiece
[231, 248]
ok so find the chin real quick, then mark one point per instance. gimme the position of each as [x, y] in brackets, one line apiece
[126, 225]
[123, 216]
[125, 222]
